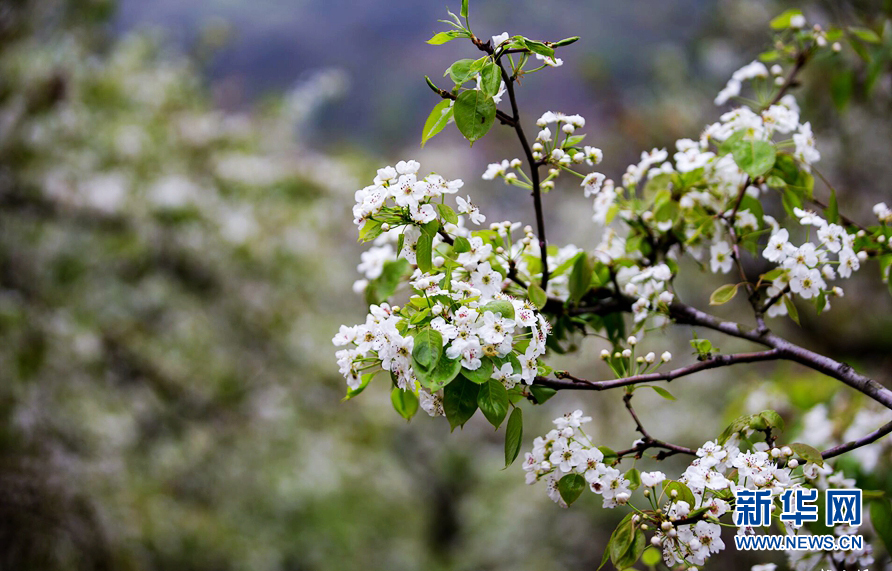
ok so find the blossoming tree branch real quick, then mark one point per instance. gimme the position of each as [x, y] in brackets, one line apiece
[484, 305]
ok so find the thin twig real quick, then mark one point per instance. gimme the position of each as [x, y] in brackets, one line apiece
[864, 441]
[568, 381]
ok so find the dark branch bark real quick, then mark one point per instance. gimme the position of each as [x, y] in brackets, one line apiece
[849, 446]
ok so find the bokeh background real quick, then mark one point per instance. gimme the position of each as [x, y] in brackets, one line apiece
[176, 252]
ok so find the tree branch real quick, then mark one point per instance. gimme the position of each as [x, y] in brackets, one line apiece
[534, 174]
[567, 381]
[864, 441]
[647, 440]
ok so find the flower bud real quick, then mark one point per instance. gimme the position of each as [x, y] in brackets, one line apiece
[673, 493]
[836, 47]
[666, 526]
[655, 541]
[862, 256]
[500, 250]
[632, 340]
[627, 353]
[650, 358]
[395, 309]
[666, 356]
[787, 451]
[385, 227]
[793, 464]
[775, 452]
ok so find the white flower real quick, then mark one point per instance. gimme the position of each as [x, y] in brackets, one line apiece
[805, 146]
[651, 479]
[496, 169]
[499, 39]
[720, 258]
[592, 183]
[467, 207]
[778, 247]
[848, 262]
[550, 61]
[882, 212]
[505, 374]
[407, 167]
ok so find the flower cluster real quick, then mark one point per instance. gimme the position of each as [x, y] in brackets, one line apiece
[806, 269]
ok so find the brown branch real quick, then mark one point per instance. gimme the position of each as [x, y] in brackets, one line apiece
[686, 314]
[864, 441]
[534, 175]
[647, 440]
[567, 381]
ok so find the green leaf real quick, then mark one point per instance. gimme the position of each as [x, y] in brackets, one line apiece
[538, 47]
[773, 419]
[651, 557]
[570, 487]
[537, 295]
[493, 401]
[464, 8]
[723, 294]
[423, 252]
[366, 379]
[370, 230]
[842, 84]
[791, 310]
[481, 374]
[447, 213]
[580, 278]
[754, 157]
[634, 478]
[382, 287]
[609, 455]
[474, 113]
[662, 392]
[565, 42]
[684, 493]
[727, 145]
[832, 210]
[621, 544]
[460, 401]
[865, 34]
[783, 21]
[491, 79]
[881, 518]
[445, 371]
[404, 402]
[513, 436]
[460, 71]
[505, 308]
[542, 394]
[437, 120]
[427, 349]
[443, 37]
[807, 453]
[461, 245]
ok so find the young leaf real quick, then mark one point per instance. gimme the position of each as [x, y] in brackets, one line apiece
[481, 374]
[773, 419]
[565, 41]
[807, 453]
[461, 245]
[684, 493]
[464, 9]
[662, 392]
[443, 37]
[580, 278]
[537, 295]
[447, 214]
[370, 230]
[404, 402]
[832, 211]
[460, 71]
[754, 157]
[460, 401]
[634, 478]
[437, 120]
[474, 113]
[499, 306]
[491, 79]
[570, 487]
[791, 310]
[423, 252]
[723, 294]
[651, 557]
[493, 401]
[427, 350]
[443, 373]
[865, 34]
[513, 436]
[542, 394]
[783, 21]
